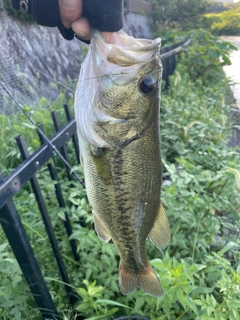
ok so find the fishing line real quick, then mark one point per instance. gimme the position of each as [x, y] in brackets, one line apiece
[85, 79]
[50, 143]
[67, 88]
[42, 134]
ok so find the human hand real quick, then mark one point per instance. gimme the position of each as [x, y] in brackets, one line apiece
[71, 16]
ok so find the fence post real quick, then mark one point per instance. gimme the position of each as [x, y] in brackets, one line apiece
[17, 237]
[44, 213]
[60, 199]
[74, 136]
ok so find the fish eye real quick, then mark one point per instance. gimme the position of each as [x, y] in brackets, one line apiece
[147, 84]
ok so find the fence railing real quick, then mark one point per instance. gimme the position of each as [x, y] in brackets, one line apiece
[26, 171]
[168, 57]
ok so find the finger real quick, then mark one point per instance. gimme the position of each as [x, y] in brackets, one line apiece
[82, 28]
[70, 11]
[112, 38]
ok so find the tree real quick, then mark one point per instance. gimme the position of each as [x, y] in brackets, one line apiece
[218, 7]
[184, 14]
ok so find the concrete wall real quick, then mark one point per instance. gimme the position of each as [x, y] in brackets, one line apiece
[138, 26]
[138, 6]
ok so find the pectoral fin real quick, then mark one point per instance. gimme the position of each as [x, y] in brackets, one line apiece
[160, 234]
[100, 228]
[81, 161]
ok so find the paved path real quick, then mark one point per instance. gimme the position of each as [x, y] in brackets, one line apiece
[233, 72]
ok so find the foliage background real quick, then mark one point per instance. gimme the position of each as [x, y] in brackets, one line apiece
[183, 15]
[186, 15]
[224, 23]
[200, 270]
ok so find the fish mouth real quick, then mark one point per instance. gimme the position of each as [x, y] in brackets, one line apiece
[113, 58]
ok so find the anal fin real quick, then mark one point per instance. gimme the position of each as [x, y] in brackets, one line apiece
[160, 234]
[130, 280]
[100, 228]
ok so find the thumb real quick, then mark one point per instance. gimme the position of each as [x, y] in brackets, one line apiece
[70, 11]
[69, 4]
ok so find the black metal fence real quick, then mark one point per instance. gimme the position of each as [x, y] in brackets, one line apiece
[168, 57]
[11, 222]
[9, 216]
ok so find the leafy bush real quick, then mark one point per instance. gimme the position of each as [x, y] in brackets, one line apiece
[217, 7]
[13, 291]
[206, 56]
[225, 23]
[200, 270]
[178, 14]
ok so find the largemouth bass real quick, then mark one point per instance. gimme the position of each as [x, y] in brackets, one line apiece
[117, 115]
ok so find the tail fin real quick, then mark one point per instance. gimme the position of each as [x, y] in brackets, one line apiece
[145, 280]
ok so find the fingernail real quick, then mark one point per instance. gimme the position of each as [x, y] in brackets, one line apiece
[81, 35]
[70, 4]
[81, 28]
